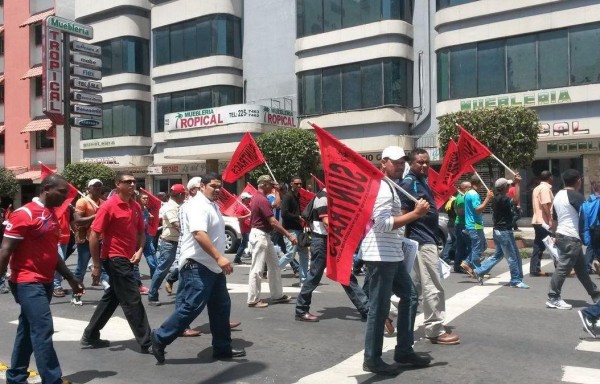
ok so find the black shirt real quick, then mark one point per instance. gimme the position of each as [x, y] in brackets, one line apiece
[502, 212]
[290, 211]
[423, 229]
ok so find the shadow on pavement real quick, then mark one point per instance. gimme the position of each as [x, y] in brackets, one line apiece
[235, 373]
[343, 313]
[89, 375]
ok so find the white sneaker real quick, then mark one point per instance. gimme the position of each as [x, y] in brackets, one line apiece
[558, 304]
[76, 300]
[588, 326]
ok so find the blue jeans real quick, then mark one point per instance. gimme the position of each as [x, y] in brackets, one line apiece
[150, 253]
[62, 252]
[199, 287]
[34, 334]
[291, 252]
[478, 245]
[168, 251]
[243, 245]
[386, 278]
[318, 262]
[449, 252]
[505, 246]
[83, 259]
[463, 246]
[592, 312]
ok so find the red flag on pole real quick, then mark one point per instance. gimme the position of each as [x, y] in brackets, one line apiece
[73, 192]
[452, 169]
[246, 157]
[352, 187]
[250, 189]
[441, 192]
[227, 202]
[319, 182]
[154, 205]
[305, 197]
[470, 150]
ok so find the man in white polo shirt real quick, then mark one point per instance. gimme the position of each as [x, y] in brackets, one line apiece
[202, 274]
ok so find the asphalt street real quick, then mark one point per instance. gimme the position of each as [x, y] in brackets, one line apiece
[507, 336]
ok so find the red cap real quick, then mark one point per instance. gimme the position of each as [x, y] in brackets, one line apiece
[177, 188]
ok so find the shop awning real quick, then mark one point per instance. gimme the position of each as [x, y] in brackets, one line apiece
[1, 129]
[1, 78]
[41, 124]
[37, 17]
[29, 175]
[1, 28]
[32, 72]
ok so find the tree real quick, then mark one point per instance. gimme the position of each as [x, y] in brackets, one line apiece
[509, 132]
[79, 174]
[289, 152]
[9, 186]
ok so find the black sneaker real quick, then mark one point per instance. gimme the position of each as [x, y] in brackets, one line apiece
[381, 368]
[412, 359]
[94, 343]
[157, 350]
[154, 303]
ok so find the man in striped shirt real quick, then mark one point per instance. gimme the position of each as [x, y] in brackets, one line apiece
[386, 272]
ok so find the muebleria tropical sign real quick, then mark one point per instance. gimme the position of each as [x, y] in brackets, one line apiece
[528, 99]
[230, 114]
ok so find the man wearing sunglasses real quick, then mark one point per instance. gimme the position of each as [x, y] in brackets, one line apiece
[292, 222]
[121, 224]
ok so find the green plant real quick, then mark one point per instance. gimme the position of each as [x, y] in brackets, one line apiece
[79, 174]
[509, 132]
[9, 186]
[289, 152]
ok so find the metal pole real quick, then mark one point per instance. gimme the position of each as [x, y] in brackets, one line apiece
[67, 98]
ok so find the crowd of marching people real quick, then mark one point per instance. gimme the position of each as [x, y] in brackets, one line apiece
[398, 250]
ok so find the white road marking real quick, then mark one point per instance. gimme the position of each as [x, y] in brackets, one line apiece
[117, 329]
[581, 375]
[589, 346]
[348, 370]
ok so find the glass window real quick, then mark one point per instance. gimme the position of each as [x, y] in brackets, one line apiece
[106, 58]
[2, 44]
[332, 90]
[42, 140]
[107, 122]
[397, 9]
[161, 46]
[463, 72]
[584, 44]
[441, 4]
[118, 120]
[443, 85]
[203, 38]
[332, 15]
[311, 92]
[178, 102]
[131, 126]
[351, 15]
[205, 98]
[371, 84]
[553, 59]
[163, 107]
[521, 61]
[397, 82]
[351, 85]
[1, 143]
[38, 86]
[313, 17]
[219, 35]
[491, 69]
[190, 48]
[37, 33]
[176, 43]
[371, 11]
[117, 56]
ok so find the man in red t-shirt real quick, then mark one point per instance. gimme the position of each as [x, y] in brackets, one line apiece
[30, 244]
[243, 216]
[121, 224]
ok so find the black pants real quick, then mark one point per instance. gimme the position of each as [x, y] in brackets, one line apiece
[123, 291]
[538, 248]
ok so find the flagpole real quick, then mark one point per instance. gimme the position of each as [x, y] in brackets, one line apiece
[270, 172]
[504, 165]
[400, 189]
[480, 179]
[80, 194]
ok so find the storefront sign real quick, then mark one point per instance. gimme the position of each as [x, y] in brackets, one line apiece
[87, 84]
[101, 143]
[561, 128]
[86, 48]
[101, 160]
[575, 147]
[528, 99]
[70, 27]
[94, 62]
[230, 114]
[52, 73]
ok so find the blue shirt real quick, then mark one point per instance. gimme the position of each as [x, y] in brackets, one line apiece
[423, 229]
[473, 220]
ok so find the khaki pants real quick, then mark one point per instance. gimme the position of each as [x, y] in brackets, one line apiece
[263, 251]
[428, 282]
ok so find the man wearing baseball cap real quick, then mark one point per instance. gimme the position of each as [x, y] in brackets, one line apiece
[243, 216]
[168, 241]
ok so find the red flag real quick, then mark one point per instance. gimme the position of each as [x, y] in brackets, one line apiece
[226, 203]
[305, 197]
[441, 192]
[452, 169]
[154, 204]
[73, 192]
[319, 182]
[352, 187]
[470, 150]
[246, 157]
[250, 189]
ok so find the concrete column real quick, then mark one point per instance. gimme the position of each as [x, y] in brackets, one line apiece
[591, 171]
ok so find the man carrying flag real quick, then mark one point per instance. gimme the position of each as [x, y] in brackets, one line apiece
[426, 268]
[246, 157]
[382, 252]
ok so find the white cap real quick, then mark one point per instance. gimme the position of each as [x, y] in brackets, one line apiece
[194, 182]
[245, 195]
[393, 153]
[502, 182]
[94, 181]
